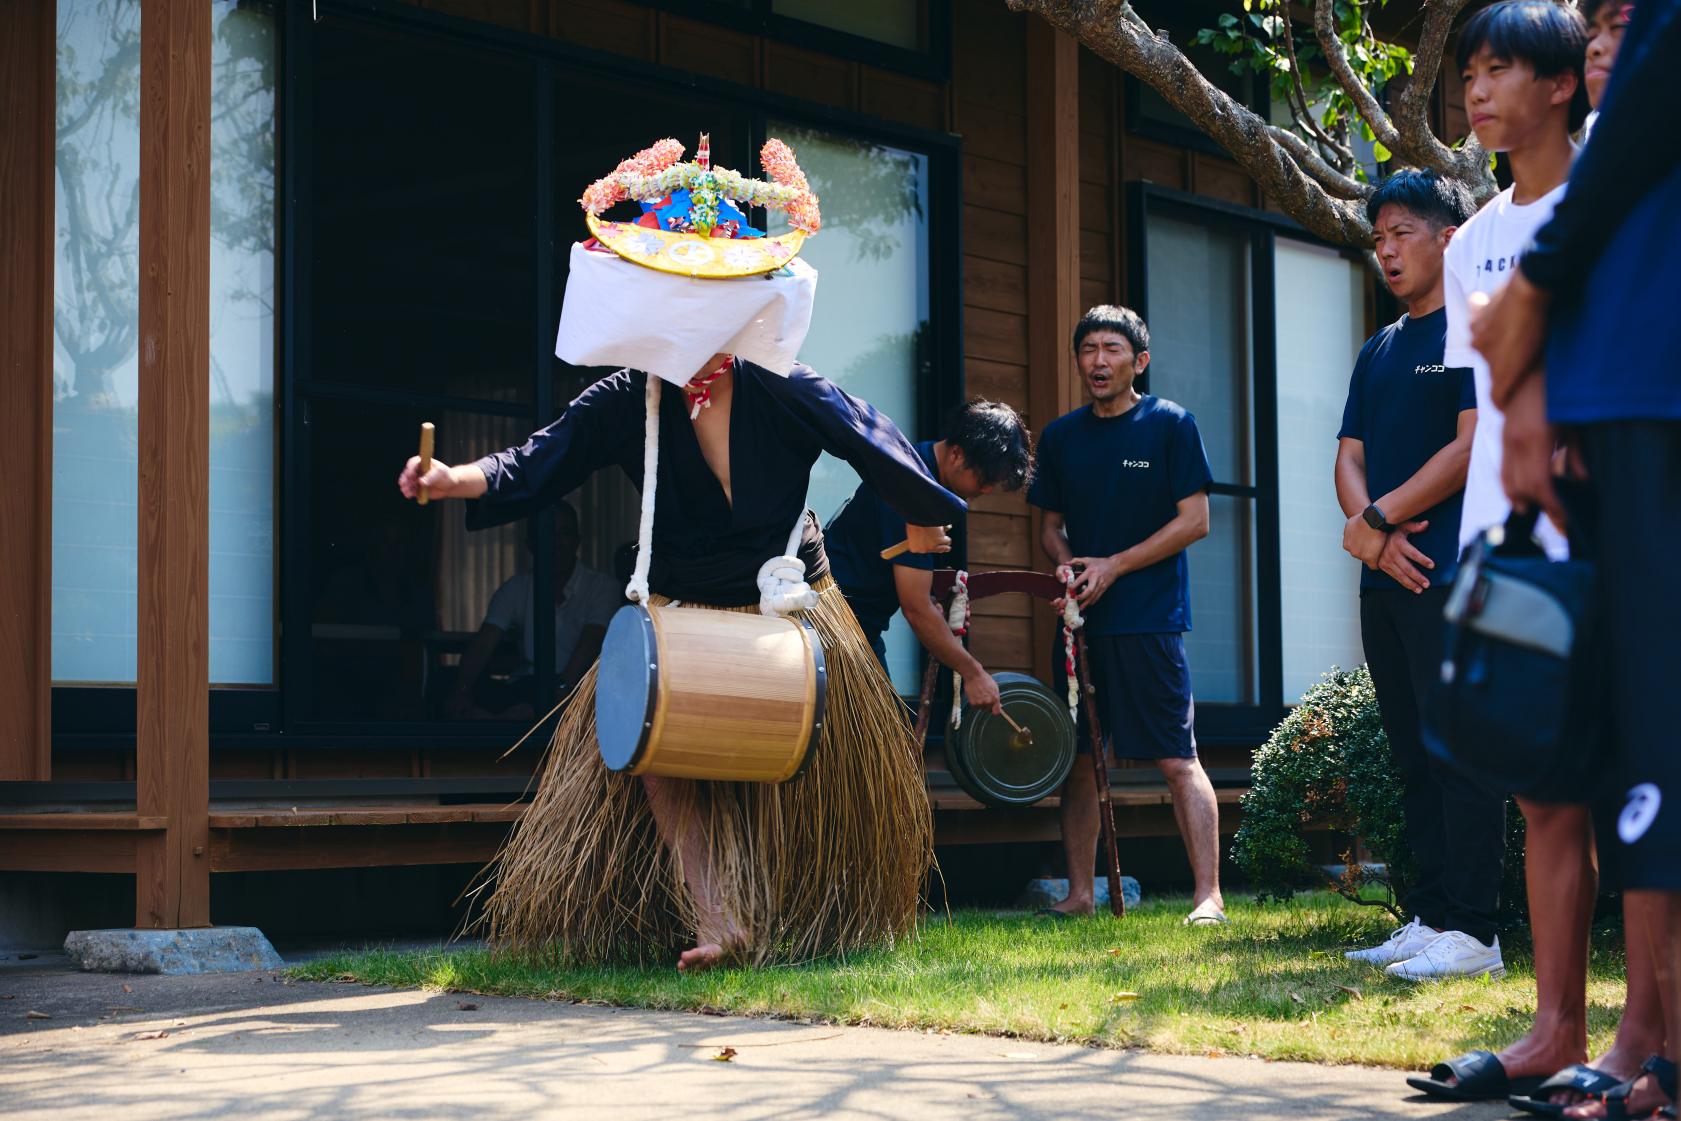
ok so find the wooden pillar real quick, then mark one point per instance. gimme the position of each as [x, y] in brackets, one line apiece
[1053, 253]
[172, 746]
[27, 40]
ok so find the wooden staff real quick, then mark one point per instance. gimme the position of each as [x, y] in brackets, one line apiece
[1100, 766]
[427, 432]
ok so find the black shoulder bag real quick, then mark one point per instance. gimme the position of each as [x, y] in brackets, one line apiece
[1515, 707]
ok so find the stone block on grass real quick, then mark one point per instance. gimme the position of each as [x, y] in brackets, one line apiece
[1043, 893]
[213, 949]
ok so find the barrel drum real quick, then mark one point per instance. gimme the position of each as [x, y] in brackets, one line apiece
[689, 692]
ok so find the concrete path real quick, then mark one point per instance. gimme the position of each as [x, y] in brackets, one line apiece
[251, 1046]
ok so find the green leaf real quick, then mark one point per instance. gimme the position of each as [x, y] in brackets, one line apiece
[1380, 153]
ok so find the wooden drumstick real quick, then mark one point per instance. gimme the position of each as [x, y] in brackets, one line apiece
[427, 431]
[902, 547]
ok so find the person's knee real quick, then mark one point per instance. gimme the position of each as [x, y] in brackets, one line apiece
[1185, 771]
[1555, 818]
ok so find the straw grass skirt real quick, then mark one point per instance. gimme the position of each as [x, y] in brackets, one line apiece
[827, 863]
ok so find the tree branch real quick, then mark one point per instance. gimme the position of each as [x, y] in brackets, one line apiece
[1413, 110]
[1345, 158]
[1106, 29]
[1320, 169]
[1325, 29]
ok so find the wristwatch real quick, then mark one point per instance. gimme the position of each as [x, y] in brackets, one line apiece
[1373, 516]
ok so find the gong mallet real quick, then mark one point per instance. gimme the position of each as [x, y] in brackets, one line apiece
[1023, 737]
[1100, 768]
[427, 433]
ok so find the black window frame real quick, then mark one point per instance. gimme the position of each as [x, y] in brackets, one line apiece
[245, 717]
[1239, 724]
[932, 63]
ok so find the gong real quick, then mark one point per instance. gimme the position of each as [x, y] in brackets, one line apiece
[1000, 766]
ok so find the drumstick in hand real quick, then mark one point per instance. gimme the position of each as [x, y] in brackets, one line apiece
[427, 431]
[894, 550]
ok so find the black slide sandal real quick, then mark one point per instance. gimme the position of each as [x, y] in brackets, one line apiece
[1480, 1078]
[1577, 1077]
[1616, 1100]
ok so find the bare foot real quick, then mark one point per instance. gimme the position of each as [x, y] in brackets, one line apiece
[709, 955]
[1070, 907]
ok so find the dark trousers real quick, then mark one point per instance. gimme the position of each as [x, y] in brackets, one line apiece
[1456, 830]
[1635, 473]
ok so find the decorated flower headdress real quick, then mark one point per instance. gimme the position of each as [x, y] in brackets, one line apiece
[689, 206]
[689, 279]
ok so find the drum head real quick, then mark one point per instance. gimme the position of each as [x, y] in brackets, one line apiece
[993, 764]
[625, 685]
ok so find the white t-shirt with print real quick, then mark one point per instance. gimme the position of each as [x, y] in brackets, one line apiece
[1481, 257]
[590, 600]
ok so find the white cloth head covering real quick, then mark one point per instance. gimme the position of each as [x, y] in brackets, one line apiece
[622, 314]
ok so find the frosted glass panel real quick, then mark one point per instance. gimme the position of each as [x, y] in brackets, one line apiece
[895, 22]
[96, 320]
[872, 303]
[95, 325]
[1220, 647]
[242, 350]
[1199, 335]
[1320, 321]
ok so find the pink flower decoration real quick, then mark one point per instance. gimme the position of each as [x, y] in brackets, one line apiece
[778, 161]
[605, 192]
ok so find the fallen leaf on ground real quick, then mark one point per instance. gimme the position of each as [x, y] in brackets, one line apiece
[159, 1034]
[725, 1055]
[34, 1015]
[1351, 991]
[1297, 997]
[1116, 952]
[1124, 995]
[466, 1006]
[1467, 1007]
[128, 988]
[8, 996]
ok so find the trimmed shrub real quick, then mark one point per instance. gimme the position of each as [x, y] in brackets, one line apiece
[1326, 766]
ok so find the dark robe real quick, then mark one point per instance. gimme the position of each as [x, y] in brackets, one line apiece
[707, 550]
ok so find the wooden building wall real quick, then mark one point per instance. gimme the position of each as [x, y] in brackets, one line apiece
[1008, 356]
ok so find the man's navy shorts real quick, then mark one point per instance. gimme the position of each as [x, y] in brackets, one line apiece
[1143, 695]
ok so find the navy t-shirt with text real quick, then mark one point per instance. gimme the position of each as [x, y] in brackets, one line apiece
[854, 539]
[1404, 406]
[1116, 481]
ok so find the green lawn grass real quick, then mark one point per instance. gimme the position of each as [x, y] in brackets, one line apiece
[1274, 984]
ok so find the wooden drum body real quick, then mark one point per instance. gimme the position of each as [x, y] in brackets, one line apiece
[688, 692]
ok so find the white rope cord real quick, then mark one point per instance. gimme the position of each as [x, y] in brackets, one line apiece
[957, 618]
[1071, 622]
[637, 590]
[782, 586]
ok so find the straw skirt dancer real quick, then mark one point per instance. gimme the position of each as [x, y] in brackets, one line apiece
[607, 865]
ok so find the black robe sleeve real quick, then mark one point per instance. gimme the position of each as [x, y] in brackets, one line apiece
[595, 431]
[866, 438]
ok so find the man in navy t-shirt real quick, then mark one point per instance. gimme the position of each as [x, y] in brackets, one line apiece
[1402, 455]
[1123, 483]
[985, 448]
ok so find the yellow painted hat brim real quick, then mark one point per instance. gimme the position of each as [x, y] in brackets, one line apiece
[690, 254]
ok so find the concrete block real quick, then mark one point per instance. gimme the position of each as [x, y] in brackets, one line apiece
[1043, 893]
[214, 949]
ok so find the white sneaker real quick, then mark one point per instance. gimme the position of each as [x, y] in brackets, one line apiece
[1407, 942]
[1453, 953]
